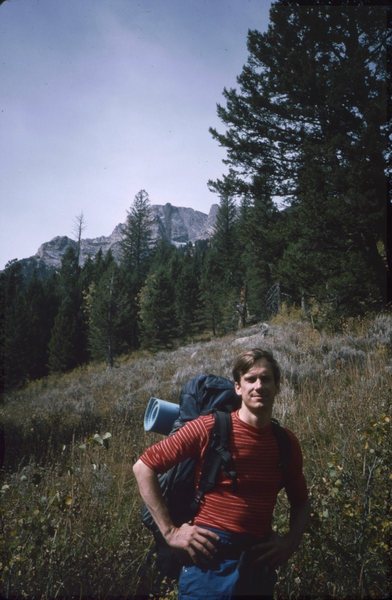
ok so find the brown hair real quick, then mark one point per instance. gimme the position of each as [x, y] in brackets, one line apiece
[245, 361]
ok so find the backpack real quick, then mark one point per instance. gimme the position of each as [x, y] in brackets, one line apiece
[201, 395]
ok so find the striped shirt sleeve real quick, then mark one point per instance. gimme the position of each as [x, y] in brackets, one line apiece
[190, 441]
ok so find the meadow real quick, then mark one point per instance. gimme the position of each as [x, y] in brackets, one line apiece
[70, 523]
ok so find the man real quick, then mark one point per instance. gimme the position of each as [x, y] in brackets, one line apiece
[230, 544]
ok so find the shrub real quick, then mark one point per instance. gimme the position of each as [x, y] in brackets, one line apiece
[345, 355]
[380, 331]
[345, 553]
[71, 530]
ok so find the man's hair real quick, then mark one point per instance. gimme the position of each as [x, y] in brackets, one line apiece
[246, 360]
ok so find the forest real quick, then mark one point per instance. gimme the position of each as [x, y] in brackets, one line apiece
[304, 213]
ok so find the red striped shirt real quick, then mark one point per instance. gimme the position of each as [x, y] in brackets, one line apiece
[256, 456]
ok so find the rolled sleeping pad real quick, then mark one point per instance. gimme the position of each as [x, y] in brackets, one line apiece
[160, 415]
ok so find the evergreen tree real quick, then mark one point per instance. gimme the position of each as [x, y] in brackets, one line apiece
[94, 268]
[136, 240]
[157, 310]
[42, 305]
[137, 251]
[27, 308]
[221, 281]
[68, 342]
[260, 247]
[225, 241]
[202, 317]
[14, 327]
[217, 300]
[107, 307]
[187, 292]
[313, 96]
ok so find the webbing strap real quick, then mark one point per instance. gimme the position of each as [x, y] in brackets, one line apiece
[223, 427]
[217, 457]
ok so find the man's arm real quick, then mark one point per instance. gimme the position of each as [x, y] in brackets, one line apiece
[197, 541]
[299, 519]
[279, 548]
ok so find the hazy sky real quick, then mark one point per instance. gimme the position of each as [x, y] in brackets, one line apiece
[102, 98]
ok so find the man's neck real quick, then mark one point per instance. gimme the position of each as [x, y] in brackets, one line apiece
[259, 420]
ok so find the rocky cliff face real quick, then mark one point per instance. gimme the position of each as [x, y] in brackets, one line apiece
[175, 224]
[180, 225]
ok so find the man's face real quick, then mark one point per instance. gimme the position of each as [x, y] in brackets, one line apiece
[257, 387]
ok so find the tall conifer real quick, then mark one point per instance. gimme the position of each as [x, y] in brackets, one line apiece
[108, 315]
[136, 258]
[136, 240]
[14, 327]
[68, 342]
[157, 310]
[315, 88]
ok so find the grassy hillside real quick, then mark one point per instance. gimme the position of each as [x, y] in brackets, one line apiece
[69, 507]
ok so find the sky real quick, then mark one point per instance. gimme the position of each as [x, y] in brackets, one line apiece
[102, 98]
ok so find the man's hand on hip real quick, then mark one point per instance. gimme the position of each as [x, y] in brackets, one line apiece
[198, 542]
[274, 552]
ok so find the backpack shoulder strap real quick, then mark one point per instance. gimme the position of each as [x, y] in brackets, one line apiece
[217, 457]
[222, 433]
[284, 445]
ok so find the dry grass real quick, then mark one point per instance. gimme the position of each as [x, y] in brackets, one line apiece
[69, 507]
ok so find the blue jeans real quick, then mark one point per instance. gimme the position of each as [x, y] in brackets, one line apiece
[227, 576]
[196, 583]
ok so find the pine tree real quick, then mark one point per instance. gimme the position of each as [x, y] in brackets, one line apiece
[136, 241]
[14, 327]
[42, 305]
[260, 247]
[68, 342]
[157, 310]
[225, 241]
[221, 281]
[313, 96]
[137, 250]
[108, 312]
[217, 300]
[187, 291]
[28, 305]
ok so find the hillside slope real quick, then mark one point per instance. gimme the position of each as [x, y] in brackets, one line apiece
[73, 526]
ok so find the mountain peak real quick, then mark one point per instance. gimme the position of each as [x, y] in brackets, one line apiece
[178, 225]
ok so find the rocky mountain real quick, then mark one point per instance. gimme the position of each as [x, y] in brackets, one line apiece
[176, 224]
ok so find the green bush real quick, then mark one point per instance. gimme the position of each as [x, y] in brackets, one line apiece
[71, 530]
[345, 552]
